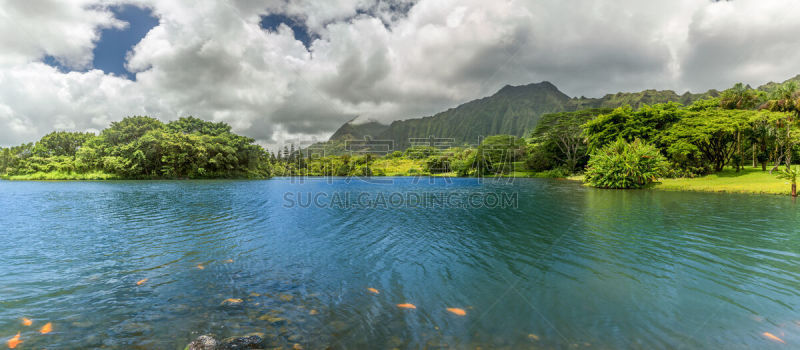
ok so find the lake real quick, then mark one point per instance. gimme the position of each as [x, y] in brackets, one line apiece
[533, 263]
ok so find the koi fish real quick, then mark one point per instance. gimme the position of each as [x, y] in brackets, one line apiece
[313, 312]
[46, 328]
[457, 311]
[13, 342]
[200, 267]
[231, 301]
[406, 306]
[373, 290]
[26, 321]
[141, 282]
[229, 261]
[770, 336]
[533, 336]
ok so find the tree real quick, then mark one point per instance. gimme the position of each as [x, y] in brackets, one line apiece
[647, 123]
[739, 97]
[786, 98]
[763, 134]
[791, 175]
[61, 143]
[141, 147]
[563, 132]
[711, 133]
[192, 125]
[496, 153]
[129, 129]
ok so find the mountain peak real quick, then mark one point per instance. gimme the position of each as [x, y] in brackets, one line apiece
[542, 87]
[358, 128]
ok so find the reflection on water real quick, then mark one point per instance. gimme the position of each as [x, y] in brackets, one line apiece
[156, 264]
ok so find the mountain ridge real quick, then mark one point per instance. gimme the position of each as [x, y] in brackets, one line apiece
[513, 110]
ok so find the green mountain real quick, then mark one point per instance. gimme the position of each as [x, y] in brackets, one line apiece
[772, 85]
[637, 99]
[513, 110]
[358, 131]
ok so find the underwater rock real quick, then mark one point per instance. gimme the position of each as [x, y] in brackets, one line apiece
[203, 342]
[251, 342]
[275, 321]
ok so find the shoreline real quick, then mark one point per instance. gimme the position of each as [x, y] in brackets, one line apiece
[747, 181]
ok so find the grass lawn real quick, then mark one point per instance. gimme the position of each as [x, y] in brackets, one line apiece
[749, 180]
[399, 166]
[96, 175]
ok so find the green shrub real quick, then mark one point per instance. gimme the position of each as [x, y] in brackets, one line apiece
[540, 160]
[437, 164]
[557, 173]
[625, 165]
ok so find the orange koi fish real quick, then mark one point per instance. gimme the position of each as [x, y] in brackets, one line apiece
[200, 267]
[770, 336]
[229, 261]
[13, 342]
[406, 306]
[231, 301]
[26, 321]
[533, 336]
[141, 282]
[373, 290]
[46, 328]
[457, 311]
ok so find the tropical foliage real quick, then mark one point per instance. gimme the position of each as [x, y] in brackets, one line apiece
[141, 147]
[625, 165]
[614, 144]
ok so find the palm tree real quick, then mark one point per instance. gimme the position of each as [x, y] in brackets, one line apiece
[786, 98]
[739, 96]
[791, 175]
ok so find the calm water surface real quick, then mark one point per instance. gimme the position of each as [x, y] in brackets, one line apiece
[571, 267]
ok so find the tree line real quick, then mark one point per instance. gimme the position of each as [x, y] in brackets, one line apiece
[742, 126]
[142, 147]
[616, 148]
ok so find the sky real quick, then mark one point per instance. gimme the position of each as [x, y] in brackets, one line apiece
[293, 71]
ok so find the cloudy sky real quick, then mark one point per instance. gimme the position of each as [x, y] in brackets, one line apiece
[283, 71]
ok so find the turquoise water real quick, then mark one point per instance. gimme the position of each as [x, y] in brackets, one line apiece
[568, 267]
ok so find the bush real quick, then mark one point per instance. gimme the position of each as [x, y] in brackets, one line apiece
[462, 167]
[675, 170]
[557, 173]
[437, 165]
[625, 165]
[540, 160]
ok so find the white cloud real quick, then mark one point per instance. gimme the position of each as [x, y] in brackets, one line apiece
[63, 29]
[379, 60]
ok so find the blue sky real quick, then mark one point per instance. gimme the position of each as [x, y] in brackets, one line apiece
[109, 54]
[273, 21]
[114, 44]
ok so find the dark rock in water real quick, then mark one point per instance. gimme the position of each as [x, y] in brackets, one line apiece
[251, 342]
[203, 342]
[206, 342]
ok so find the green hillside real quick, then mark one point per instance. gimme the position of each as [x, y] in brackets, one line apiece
[513, 110]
